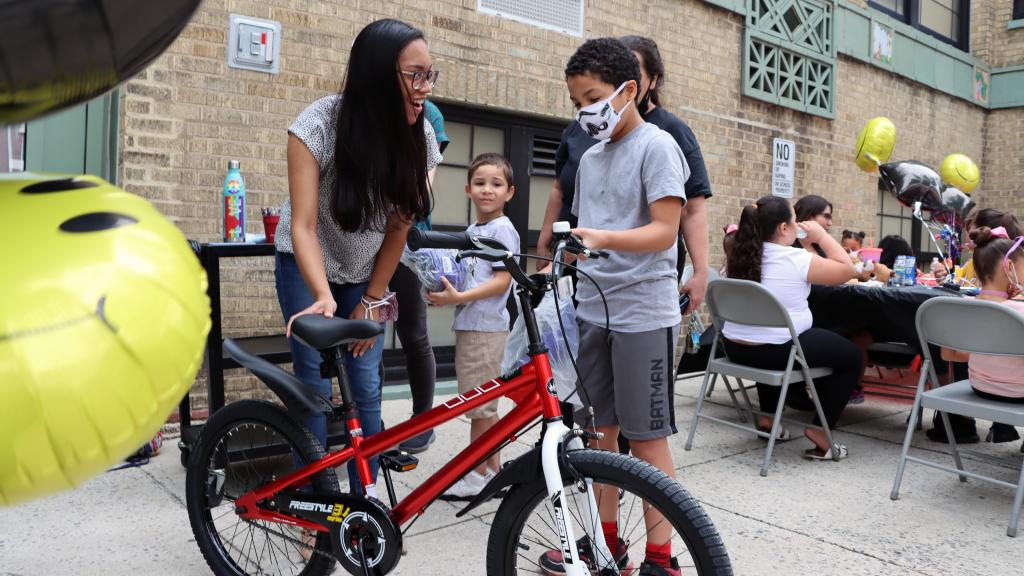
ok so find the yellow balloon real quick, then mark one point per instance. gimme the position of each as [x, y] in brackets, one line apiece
[875, 143]
[103, 316]
[959, 171]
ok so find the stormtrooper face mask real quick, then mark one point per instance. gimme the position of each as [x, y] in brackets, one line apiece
[600, 118]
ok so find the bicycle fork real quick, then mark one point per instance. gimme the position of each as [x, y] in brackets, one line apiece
[551, 445]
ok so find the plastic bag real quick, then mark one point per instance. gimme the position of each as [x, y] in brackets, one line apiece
[431, 264]
[558, 353]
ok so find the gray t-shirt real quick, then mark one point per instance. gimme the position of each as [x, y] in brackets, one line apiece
[348, 256]
[615, 186]
[489, 314]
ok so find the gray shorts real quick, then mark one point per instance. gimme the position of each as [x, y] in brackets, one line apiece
[629, 378]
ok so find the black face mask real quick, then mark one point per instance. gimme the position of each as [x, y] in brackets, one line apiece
[645, 102]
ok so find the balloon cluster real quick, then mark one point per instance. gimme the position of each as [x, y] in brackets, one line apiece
[943, 195]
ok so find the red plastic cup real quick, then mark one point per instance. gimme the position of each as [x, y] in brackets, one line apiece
[270, 227]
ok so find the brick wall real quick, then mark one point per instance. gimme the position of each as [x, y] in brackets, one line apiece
[188, 114]
[1002, 186]
[1006, 46]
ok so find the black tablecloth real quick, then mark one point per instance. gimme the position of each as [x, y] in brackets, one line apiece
[888, 313]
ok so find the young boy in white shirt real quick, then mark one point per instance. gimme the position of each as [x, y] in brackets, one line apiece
[481, 318]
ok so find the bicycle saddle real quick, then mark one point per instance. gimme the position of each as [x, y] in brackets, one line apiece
[324, 333]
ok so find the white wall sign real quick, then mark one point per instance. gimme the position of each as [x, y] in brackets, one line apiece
[783, 164]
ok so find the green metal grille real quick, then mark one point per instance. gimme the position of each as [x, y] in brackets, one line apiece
[789, 54]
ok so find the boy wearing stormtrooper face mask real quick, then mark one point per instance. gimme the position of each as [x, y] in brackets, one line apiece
[629, 199]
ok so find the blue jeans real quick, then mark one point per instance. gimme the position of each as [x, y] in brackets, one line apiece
[363, 372]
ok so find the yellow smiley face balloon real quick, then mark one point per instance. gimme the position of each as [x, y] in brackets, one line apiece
[960, 171]
[875, 143]
[103, 317]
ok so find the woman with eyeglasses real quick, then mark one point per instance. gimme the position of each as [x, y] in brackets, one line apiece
[813, 208]
[358, 165]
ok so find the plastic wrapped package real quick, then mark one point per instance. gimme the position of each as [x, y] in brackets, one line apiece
[432, 264]
[551, 334]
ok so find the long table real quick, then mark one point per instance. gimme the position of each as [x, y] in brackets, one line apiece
[888, 313]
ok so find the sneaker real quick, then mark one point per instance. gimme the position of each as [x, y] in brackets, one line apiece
[551, 561]
[651, 569]
[857, 396]
[418, 444]
[467, 488]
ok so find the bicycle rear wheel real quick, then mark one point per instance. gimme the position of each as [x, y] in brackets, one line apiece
[243, 446]
[524, 527]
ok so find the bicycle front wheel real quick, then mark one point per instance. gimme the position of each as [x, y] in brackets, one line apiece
[525, 533]
[243, 446]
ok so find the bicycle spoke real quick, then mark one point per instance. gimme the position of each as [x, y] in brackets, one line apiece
[638, 523]
[246, 457]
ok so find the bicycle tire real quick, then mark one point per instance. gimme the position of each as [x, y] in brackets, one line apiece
[232, 424]
[695, 529]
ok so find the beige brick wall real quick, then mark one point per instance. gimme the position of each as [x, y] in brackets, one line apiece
[1006, 47]
[1002, 185]
[188, 114]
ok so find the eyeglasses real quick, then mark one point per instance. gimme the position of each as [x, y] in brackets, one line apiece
[418, 77]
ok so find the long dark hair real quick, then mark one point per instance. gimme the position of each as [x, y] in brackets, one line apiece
[381, 160]
[988, 252]
[652, 63]
[810, 206]
[757, 226]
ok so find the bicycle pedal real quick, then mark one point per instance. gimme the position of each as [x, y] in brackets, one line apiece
[399, 461]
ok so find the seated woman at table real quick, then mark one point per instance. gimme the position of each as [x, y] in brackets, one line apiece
[999, 262]
[813, 208]
[762, 252]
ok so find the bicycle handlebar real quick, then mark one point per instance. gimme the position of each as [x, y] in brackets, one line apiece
[492, 250]
[433, 239]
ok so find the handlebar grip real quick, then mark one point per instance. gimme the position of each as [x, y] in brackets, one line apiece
[433, 239]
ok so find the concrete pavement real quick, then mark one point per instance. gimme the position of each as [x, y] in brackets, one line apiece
[805, 518]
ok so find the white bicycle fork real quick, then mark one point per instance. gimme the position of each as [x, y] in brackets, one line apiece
[553, 437]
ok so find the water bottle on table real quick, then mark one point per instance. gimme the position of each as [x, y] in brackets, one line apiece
[910, 271]
[234, 204]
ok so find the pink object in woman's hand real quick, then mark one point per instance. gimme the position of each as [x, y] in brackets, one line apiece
[870, 254]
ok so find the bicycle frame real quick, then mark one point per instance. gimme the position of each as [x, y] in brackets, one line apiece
[531, 387]
[527, 388]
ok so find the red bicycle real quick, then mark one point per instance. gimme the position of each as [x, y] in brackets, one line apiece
[263, 497]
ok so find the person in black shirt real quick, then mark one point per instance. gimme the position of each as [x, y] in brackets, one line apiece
[575, 141]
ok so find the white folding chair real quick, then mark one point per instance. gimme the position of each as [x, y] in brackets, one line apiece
[977, 327]
[749, 303]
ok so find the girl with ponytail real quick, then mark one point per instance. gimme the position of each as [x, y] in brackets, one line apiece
[999, 263]
[762, 252]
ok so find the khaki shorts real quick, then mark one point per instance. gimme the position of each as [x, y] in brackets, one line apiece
[477, 361]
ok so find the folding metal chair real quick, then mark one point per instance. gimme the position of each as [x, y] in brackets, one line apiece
[749, 303]
[977, 327]
[740, 387]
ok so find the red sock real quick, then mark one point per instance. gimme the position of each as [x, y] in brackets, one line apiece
[660, 554]
[611, 535]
